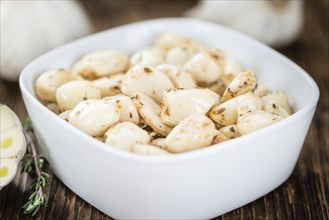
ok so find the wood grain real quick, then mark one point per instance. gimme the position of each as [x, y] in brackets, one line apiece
[305, 195]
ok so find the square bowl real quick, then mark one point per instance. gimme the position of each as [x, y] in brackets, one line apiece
[199, 184]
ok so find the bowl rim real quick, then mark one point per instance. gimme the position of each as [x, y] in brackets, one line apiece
[217, 148]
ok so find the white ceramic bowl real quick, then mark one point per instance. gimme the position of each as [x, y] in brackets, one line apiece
[200, 184]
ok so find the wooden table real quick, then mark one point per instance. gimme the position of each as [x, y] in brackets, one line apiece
[304, 195]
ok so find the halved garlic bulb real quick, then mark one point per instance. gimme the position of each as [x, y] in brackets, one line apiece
[8, 169]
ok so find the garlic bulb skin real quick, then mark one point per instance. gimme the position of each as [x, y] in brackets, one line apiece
[30, 28]
[276, 23]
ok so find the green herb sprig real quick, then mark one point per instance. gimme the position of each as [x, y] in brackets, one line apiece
[36, 166]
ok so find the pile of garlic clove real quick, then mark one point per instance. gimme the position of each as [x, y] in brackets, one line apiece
[13, 145]
[176, 96]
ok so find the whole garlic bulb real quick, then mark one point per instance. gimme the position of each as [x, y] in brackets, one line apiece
[30, 28]
[276, 23]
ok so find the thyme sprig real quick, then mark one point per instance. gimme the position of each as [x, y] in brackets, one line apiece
[36, 166]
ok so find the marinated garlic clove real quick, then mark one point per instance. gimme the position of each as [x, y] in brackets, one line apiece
[152, 56]
[193, 132]
[109, 85]
[230, 131]
[232, 66]
[260, 91]
[128, 110]
[179, 104]
[158, 142]
[12, 143]
[94, 117]
[7, 119]
[8, 169]
[148, 80]
[178, 76]
[147, 149]
[70, 94]
[206, 66]
[251, 120]
[276, 110]
[47, 83]
[169, 40]
[54, 108]
[219, 138]
[242, 83]
[279, 99]
[65, 115]
[226, 113]
[150, 111]
[125, 135]
[179, 55]
[101, 63]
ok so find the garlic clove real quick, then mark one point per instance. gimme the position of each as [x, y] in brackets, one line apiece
[250, 120]
[71, 93]
[65, 115]
[230, 131]
[127, 131]
[206, 66]
[150, 111]
[148, 80]
[54, 108]
[279, 99]
[109, 85]
[242, 83]
[169, 40]
[12, 143]
[226, 113]
[179, 55]
[179, 104]
[146, 149]
[276, 110]
[178, 76]
[260, 91]
[8, 169]
[128, 110]
[101, 63]
[152, 56]
[94, 117]
[193, 132]
[232, 66]
[158, 142]
[47, 83]
[220, 137]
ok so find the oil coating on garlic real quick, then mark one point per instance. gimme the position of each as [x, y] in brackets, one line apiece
[148, 80]
[181, 103]
[94, 117]
[193, 132]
